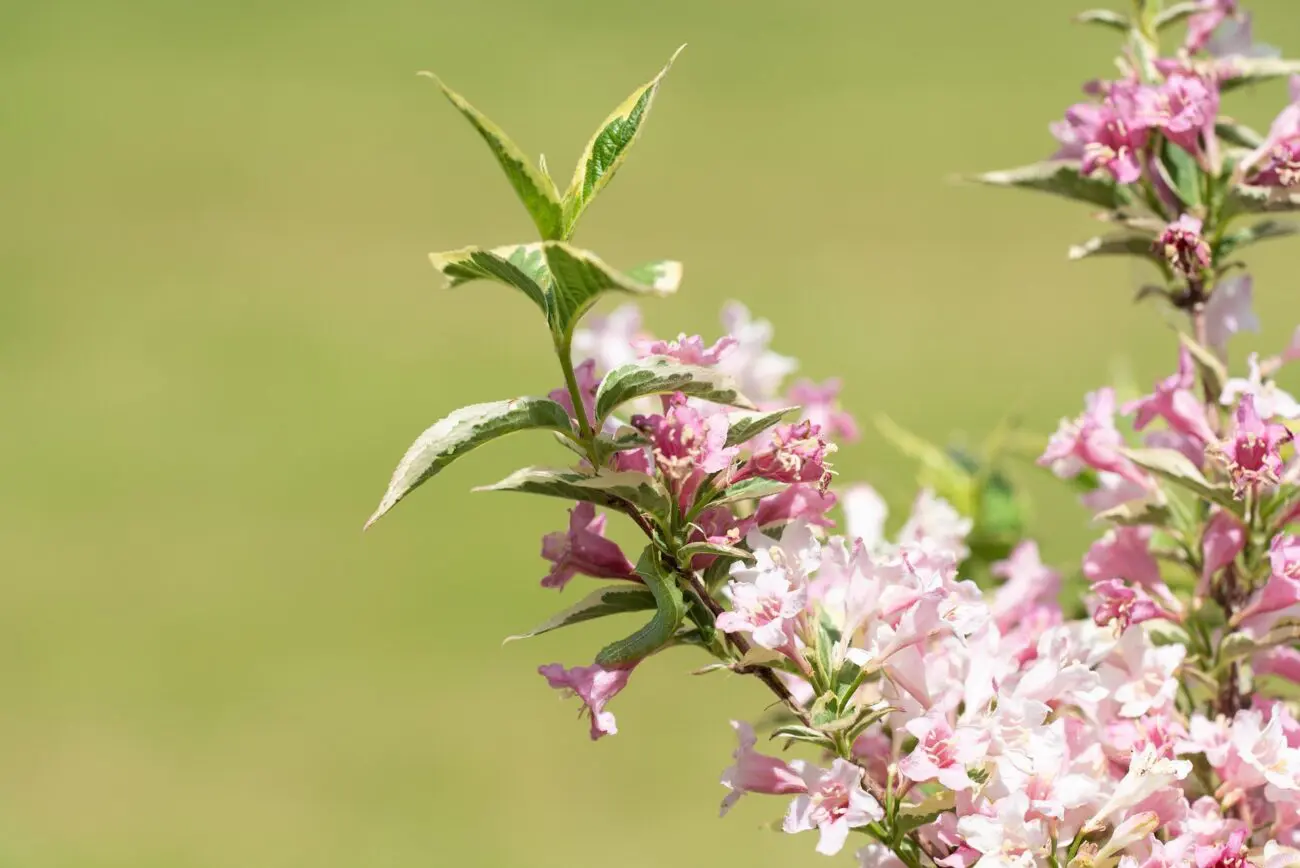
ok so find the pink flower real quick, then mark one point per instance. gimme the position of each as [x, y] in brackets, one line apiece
[796, 453]
[768, 608]
[1028, 585]
[588, 383]
[1091, 440]
[1203, 24]
[943, 754]
[1282, 661]
[610, 340]
[691, 350]
[821, 407]
[584, 550]
[1230, 310]
[1183, 247]
[687, 444]
[1223, 540]
[1186, 108]
[1230, 854]
[1081, 125]
[834, 803]
[595, 686]
[1115, 147]
[1251, 455]
[1276, 162]
[1124, 604]
[1123, 553]
[756, 368]
[1174, 402]
[754, 772]
[1270, 401]
[1282, 590]
[798, 502]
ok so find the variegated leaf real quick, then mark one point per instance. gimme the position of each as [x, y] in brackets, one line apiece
[659, 375]
[552, 482]
[522, 266]
[1115, 244]
[1060, 178]
[1175, 467]
[607, 150]
[1253, 70]
[636, 488]
[1261, 231]
[1105, 18]
[748, 489]
[1243, 199]
[1238, 134]
[535, 189]
[579, 277]
[745, 426]
[600, 603]
[464, 430]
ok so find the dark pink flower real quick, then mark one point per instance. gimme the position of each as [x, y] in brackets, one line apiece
[1175, 402]
[754, 772]
[801, 502]
[687, 444]
[1186, 108]
[1091, 441]
[796, 453]
[1276, 162]
[1081, 125]
[1124, 604]
[1252, 455]
[588, 383]
[690, 350]
[1183, 247]
[1125, 553]
[1116, 148]
[821, 406]
[1201, 26]
[583, 549]
[1230, 854]
[595, 686]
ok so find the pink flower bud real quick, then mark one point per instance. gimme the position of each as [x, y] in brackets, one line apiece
[1183, 247]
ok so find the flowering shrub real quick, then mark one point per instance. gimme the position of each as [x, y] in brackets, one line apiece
[941, 722]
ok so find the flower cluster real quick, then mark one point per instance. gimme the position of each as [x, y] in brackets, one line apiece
[952, 699]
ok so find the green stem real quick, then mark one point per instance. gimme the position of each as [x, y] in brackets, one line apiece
[564, 352]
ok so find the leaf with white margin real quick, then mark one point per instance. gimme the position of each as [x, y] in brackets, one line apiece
[600, 603]
[1060, 178]
[579, 277]
[661, 375]
[522, 266]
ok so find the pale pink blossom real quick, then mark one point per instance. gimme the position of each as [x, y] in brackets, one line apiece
[610, 340]
[1281, 661]
[821, 406]
[1230, 310]
[1251, 454]
[1270, 401]
[834, 803]
[690, 349]
[942, 753]
[1148, 773]
[768, 608]
[595, 685]
[1091, 441]
[798, 502]
[584, 550]
[1027, 584]
[865, 513]
[1202, 25]
[1282, 589]
[1174, 401]
[1125, 553]
[1223, 539]
[754, 772]
[757, 370]
[1006, 838]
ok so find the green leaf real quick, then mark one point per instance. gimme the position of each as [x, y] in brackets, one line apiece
[638, 489]
[1137, 512]
[1213, 372]
[553, 482]
[807, 735]
[579, 277]
[659, 375]
[535, 189]
[1114, 244]
[607, 150]
[1261, 231]
[1175, 13]
[1244, 199]
[661, 630]
[462, 431]
[519, 265]
[745, 426]
[749, 489]
[621, 440]
[705, 547]
[1184, 174]
[826, 716]
[600, 603]
[1060, 178]
[1174, 466]
[1238, 134]
[1106, 18]
[1253, 70]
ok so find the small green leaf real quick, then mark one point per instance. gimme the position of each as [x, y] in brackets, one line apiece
[1244, 199]
[745, 426]
[1183, 173]
[807, 735]
[1175, 13]
[535, 189]
[1061, 178]
[600, 603]
[1238, 134]
[1248, 235]
[661, 630]
[749, 489]
[1106, 18]
[705, 547]
[1213, 373]
[1174, 466]
[638, 489]
[623, 439]
[659, 375]
[1253, 70]
[579, 277]
[519, 265]
[1234, 647]
[607, 150]
[1114, 244]
[462, 431]
[553, 482]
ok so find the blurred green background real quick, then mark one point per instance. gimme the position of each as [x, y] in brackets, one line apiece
[218, 332]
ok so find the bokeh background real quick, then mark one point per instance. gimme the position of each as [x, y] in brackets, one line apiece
[218, 332]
